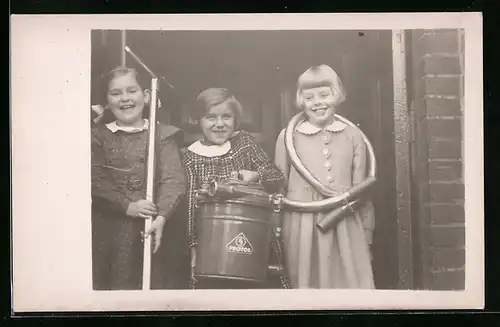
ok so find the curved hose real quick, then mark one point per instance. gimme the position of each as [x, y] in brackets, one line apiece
[333, 200]
[338, 205]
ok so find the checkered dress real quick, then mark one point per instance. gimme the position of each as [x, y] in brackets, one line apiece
[245, 154]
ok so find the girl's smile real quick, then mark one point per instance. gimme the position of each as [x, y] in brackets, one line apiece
[218, 124]
[126, 100]
[127, 107]
[318, 105]
[320, 111]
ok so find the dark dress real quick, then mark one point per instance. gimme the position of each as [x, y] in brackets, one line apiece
[245, 154]
[119, 178]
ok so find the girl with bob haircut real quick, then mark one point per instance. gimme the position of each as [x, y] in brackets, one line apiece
[119, 150]
[335, 154]
[223, 150]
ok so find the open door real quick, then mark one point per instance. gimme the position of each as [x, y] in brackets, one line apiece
[261, 69]
[363, 60]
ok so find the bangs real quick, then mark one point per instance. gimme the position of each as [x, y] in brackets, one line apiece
[313, 83]
[317, 76]
[320, 76]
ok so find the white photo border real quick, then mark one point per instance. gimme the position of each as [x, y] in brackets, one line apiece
[50, 85]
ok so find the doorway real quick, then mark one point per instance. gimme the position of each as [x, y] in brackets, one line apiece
[261, 69]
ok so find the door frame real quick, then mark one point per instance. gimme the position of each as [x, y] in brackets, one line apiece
[402, 138]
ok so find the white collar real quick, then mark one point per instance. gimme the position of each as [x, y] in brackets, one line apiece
[113, 127]
[210, 150]
[306, 127]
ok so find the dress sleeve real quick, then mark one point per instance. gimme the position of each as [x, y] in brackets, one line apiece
[171, 179]
[280, 155]
[269, 174]
[104, 188]
[366, 209]
[192, 186]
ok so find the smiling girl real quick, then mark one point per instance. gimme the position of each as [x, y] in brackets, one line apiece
[224, 149]
[335, 154]
[119, 207]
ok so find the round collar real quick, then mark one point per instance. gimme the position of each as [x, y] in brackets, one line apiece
[307, 128]
[210, 150]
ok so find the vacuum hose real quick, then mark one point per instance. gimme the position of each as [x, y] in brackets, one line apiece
[343, 203]
[337, 205]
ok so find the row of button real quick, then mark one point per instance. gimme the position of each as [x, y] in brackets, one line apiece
[327, 154]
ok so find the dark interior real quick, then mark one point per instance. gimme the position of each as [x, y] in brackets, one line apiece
[261, 69]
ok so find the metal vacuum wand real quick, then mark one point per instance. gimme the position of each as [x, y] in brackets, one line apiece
[146, 275]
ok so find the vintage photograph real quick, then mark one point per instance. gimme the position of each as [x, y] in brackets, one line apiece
[325, 159]
[247, 162]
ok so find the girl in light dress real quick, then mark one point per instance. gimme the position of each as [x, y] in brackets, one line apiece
[335, 154]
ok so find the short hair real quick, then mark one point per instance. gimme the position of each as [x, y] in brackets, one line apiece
[214, 96]
[317, 76]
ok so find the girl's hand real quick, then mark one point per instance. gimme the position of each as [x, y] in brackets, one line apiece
[248, 175]
[142, 209]
[157, 231]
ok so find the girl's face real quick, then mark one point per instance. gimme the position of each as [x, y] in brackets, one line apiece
[126, 100]
[319, 105]
[218, 124]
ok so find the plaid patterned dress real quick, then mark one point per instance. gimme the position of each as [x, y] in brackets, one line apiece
[245, 154]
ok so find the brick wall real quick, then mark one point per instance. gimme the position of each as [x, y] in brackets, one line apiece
[436, 97]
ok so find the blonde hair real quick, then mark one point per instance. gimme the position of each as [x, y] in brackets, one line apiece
[317, 76]
[214, 96]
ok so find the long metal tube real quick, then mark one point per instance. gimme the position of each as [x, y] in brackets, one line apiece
[146, 276]
[146, 272]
